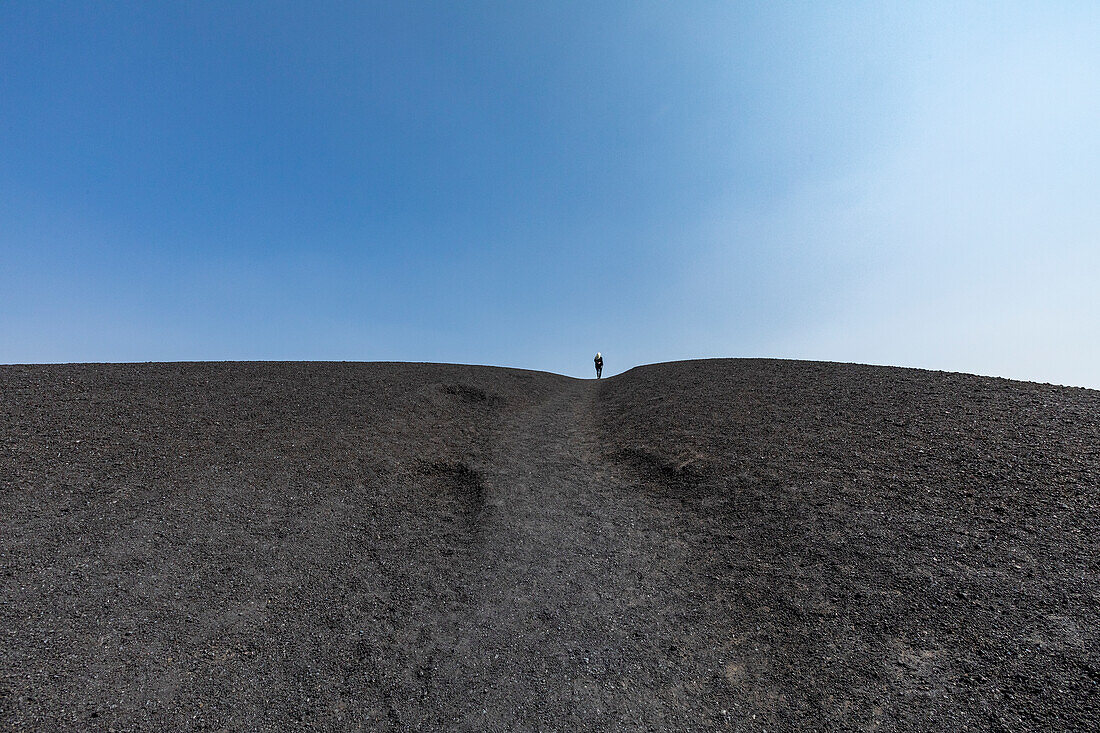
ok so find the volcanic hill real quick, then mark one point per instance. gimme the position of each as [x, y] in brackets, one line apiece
[707, 545]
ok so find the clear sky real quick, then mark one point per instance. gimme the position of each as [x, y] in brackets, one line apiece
[523, 184]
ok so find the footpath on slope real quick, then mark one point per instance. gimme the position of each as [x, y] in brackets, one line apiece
[570, 581]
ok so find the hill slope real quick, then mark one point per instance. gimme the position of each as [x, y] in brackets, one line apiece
[722, 544]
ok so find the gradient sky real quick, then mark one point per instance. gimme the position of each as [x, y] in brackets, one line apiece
[523, 184]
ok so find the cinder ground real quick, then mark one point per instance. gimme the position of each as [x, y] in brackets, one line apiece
[708, 545]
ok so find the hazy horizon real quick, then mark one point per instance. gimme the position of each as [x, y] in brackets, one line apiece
[522, 186]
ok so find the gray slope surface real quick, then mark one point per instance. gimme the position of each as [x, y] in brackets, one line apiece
[708, 545]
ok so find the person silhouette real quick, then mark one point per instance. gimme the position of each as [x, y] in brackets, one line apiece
[599, 365]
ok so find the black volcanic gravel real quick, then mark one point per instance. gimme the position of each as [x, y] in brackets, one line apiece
[707, 545]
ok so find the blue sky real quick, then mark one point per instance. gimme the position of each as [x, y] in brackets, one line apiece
[523, 184]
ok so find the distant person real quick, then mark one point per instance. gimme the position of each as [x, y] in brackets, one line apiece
[599, 365]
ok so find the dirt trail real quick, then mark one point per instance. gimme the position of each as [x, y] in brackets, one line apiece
[565, 574]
